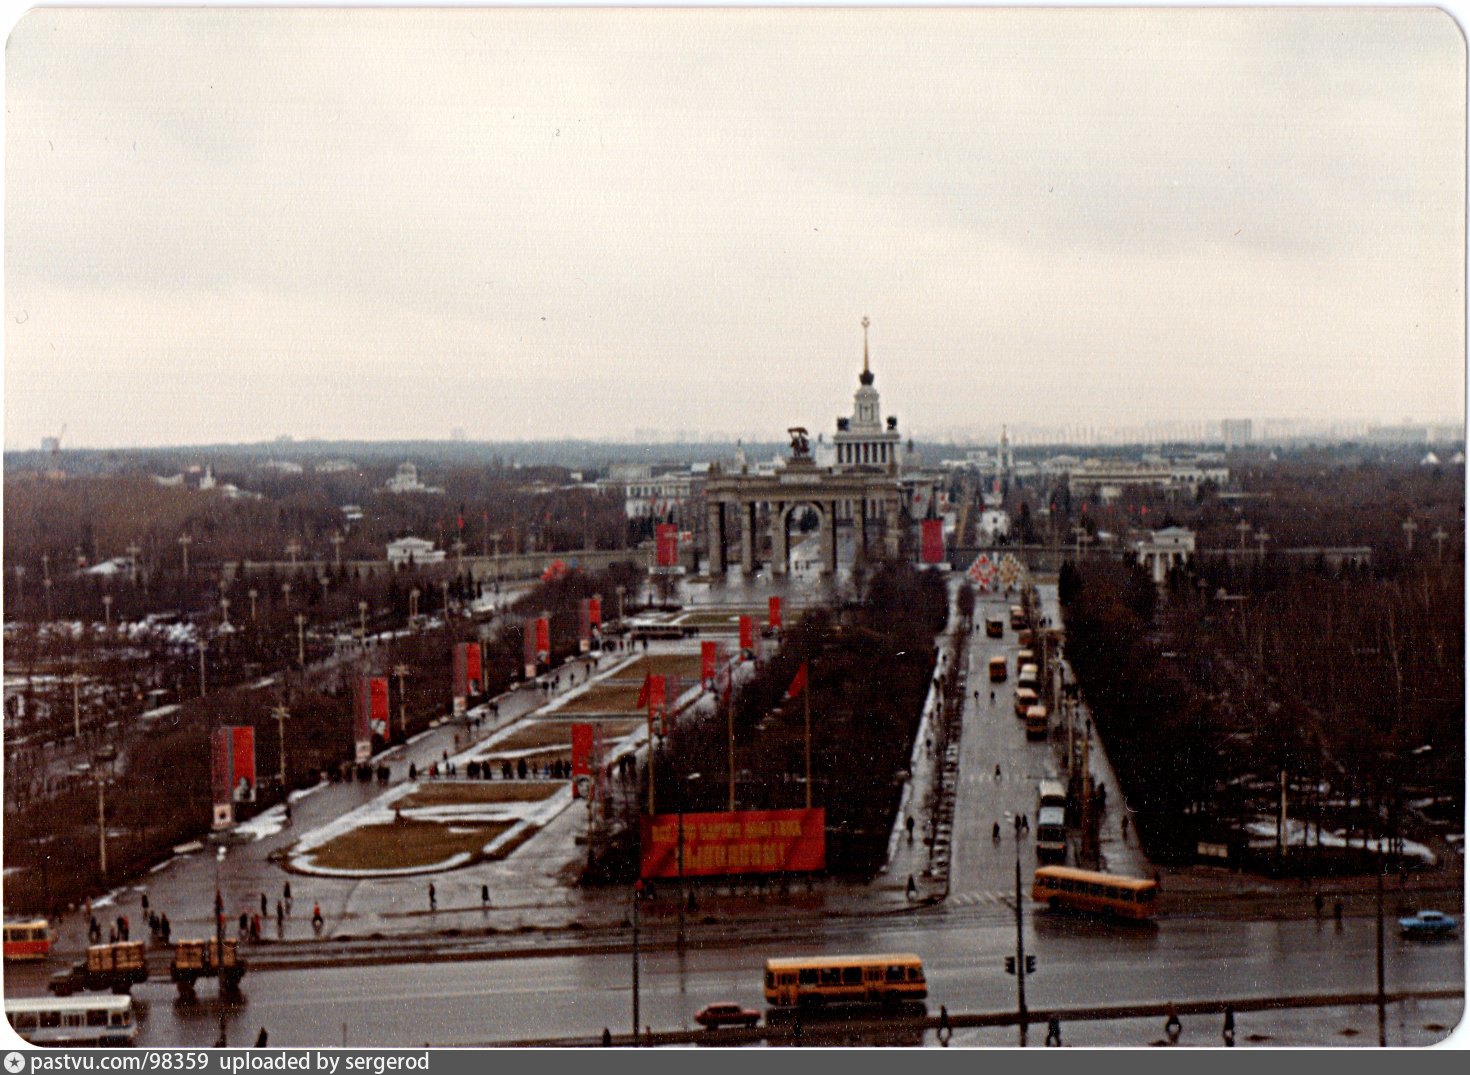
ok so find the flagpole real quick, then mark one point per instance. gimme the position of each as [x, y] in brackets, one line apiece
[806, 705]
[730, 731]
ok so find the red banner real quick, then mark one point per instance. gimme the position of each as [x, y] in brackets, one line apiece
[233, 765]
[747, 638]
[543, 639]
[378, 714]
[594, 611]
[744, 842]
[933, 540]
[528, 638]
[773, 612]
[466, 669]
[581, 750]
[707, 652]
[667, 537]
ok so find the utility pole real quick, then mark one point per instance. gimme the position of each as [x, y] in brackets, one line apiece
[1382, 1025]
[102, 826]
[280, 712]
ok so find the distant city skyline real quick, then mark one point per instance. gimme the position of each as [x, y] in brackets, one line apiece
[227, 224]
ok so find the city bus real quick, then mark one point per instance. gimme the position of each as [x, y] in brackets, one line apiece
[1036, 722]
[997, 669]
[75, 1021]
[1051, 834]
[995, 627]
[1025, 699]
[27, 941]
[1023, 658]
[1029, 676]
[1096, 893]
[1018, 617]
[819, 980]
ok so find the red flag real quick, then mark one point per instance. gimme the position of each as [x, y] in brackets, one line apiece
[799, 683]
[773, 612]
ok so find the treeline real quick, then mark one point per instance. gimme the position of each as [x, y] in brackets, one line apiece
[162, 795]
[869, 669]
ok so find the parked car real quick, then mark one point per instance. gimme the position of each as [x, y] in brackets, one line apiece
[726, 1013]
[1427, 924]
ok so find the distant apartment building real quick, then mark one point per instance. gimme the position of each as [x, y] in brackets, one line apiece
[1235, 432]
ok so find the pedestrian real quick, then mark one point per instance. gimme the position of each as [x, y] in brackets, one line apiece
[484, 895]
[1228, 1030]
[1337, 912]
[1025, 823]
[316, 917]
[165, 927]
[606, 1038]
[997, 770]
[255, 927]
[261, 1039]
[908, 823]
[280, 915]
[1125, 828]
[244, 923]
[433, 897]
[1054, 1032]
[111, 934]
[286, 894]
[413, 771]
[264, 908]
[145, 905]
[1317, 904]
[288, 811]
[913, 889]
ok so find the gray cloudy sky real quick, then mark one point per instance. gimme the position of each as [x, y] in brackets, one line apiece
[228, 224]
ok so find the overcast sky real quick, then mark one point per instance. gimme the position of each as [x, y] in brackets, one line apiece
[224, 225]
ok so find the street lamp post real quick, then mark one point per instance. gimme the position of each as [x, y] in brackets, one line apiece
[337, 540]
[76, 701]
[401, 671]
[1020, 950]
[1440, 537]
[107, 610]
[280, 712]
[101, 821]
[413, 604]
[203, 645]
[286, 593]
[293, 548]
[134, 551]
[301, 639]
[689, 778]
[362, 607]
[253, 595]
[1409, 527]
[637, 896]
[444, 585]
[224, 611]
[46, 585]
[184, 542]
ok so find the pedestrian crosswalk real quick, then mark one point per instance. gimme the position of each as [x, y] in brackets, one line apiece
[980, 899]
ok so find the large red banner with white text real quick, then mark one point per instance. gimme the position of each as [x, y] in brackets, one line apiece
[233, 768]
[743, 842]
[747, 637]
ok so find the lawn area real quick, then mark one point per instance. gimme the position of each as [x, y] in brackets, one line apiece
[602, 698]
[400, 845]
[452, 793]
[684, 665]
[715, 618]
[554, 733]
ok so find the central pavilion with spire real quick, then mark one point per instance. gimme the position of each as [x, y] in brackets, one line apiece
[862, 441]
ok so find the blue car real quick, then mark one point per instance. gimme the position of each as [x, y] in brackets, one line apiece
[1428, 924]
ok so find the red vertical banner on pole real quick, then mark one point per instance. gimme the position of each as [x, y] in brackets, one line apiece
[461, 685]
[543, 639]
[584, 624]
[242, 764]
[474, 667]
[932, 543]
[378, 706]
[707, 651]
[594, 610]
[581, 750]
[666, 536]
[747, 638]
[773, 612]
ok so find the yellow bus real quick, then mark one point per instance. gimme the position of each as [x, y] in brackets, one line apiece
[1018, 618]
[1036, 722]
[995, 627]
[1098, 893]
[1023, 658]
[997, 669]
[1025, 699]
[818, 980]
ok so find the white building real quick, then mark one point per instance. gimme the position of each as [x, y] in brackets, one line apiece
[412, 550]
[407, 481]
[1164, 549]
